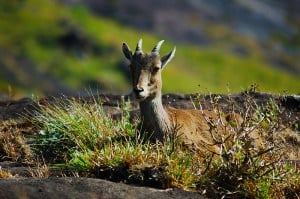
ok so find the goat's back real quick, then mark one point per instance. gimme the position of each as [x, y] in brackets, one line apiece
[202, 129]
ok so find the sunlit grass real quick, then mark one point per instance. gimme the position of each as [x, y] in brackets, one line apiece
[88, 140]
[79, 135]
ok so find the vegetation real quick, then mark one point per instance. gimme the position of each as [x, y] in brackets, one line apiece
[82, 138]
[39, 45]
[5, 174]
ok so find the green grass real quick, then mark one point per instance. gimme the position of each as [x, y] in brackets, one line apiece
[88, 140]
[34, 28]
[80, 136]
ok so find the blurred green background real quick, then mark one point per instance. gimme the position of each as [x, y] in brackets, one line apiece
[67, 47]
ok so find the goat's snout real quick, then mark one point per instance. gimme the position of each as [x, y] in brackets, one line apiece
[138, 90]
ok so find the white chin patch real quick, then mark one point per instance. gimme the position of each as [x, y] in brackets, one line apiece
[141, 96]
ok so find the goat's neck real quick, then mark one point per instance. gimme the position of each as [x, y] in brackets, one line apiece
[154, 117]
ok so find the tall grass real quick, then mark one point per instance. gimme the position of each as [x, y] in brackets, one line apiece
[81, 136]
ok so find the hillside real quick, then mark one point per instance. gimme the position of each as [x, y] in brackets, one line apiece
[50, 48]
[271, 27]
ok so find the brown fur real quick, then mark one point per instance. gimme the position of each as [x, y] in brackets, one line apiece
[202, 129]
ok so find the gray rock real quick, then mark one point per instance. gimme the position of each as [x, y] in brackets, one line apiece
[52, 188]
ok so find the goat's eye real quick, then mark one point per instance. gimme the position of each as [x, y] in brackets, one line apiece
[155, 69]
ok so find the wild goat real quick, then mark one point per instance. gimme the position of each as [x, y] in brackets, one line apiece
[193, 127]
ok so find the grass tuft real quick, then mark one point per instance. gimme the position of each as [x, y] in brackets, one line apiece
[5, 174]
[79, 135]
[13, 146]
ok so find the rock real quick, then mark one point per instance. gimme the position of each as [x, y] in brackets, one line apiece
[51, 188]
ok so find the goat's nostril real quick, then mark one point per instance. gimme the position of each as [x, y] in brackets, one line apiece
[138, 90]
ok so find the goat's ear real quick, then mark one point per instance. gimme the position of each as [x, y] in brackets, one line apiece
[167, 58]
[126, 51]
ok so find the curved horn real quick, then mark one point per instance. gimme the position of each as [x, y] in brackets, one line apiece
[157, 47]
[139, 46]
